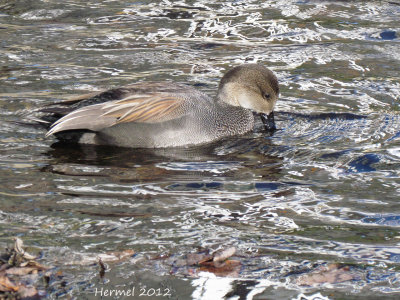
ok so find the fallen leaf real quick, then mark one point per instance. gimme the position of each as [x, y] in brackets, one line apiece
[215, 263]
[229, 268]
[116, 255]
[34, 264]
[6, 285]
[28, 292]
[3, 267]
[332, 273]
[197, 258]
[223, 254]
[18, 244]
[20, 271]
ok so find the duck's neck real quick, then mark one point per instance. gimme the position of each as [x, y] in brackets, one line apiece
[233, 119]
[227, 94]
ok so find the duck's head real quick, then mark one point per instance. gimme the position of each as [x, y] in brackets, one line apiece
[251, 86]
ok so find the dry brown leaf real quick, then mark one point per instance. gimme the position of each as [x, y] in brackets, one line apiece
[6, 285]
[229, 268]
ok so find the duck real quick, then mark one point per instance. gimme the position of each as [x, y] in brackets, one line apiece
[167, 114]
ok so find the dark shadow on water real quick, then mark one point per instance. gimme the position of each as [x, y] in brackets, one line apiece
[226, 158]
[126, 157]
[322, 116]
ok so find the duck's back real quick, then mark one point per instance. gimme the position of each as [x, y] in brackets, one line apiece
[147, 115]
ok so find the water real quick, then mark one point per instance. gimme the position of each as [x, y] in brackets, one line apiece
[324, 189]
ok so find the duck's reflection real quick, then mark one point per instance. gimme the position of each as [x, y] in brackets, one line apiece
[244, 158]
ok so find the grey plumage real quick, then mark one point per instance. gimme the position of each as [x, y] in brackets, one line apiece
[165, 114]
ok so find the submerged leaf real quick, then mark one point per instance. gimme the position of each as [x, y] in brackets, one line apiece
[197, 258]
[116, 255]
[28, 292]
[18, 244]
[229, 268]
[20, 271]
[332, 273]
[223, 254]
[6, 285]
[207, 260]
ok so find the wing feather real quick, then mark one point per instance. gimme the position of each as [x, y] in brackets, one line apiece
[158, 108]
[150, 108]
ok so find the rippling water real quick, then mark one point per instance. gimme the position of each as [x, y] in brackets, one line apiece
[324, 189]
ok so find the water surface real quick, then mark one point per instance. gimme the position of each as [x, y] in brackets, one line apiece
[323, 189]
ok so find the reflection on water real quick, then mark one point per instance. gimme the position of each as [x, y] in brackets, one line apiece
[323, 189]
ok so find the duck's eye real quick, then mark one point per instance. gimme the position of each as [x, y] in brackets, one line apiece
[267, 96]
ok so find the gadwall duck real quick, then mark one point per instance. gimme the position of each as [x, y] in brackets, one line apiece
[165, 114]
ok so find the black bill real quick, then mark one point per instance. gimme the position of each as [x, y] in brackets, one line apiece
[268, 121]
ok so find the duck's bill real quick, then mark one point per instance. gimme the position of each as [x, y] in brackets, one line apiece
[268, 121]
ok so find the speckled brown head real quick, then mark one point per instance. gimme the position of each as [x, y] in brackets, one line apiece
[251, 86]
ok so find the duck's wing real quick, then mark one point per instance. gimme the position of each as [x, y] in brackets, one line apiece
[140, 88]
[47, 115]
[146, 108]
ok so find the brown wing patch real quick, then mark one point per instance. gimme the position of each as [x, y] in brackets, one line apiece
[145, 108]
